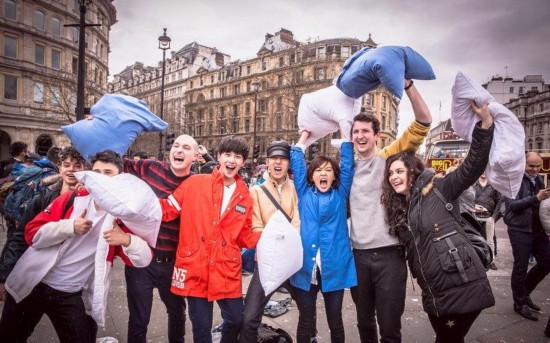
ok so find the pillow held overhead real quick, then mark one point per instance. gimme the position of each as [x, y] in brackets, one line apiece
[388, 66]
[117, 121]
[507, 159]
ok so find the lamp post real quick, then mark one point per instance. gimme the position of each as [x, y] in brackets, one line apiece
[164, 44]
[255, 87]
[81, 74]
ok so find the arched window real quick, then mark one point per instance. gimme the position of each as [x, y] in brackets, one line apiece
[56, 27]
[10, 10]
[39, 20]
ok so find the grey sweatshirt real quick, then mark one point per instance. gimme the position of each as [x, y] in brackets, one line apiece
[369, 229]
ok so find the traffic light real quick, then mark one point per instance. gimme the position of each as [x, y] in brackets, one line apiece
[169, 141]
[256, 153]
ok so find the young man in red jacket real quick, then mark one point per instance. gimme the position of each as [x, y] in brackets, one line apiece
[216, 223]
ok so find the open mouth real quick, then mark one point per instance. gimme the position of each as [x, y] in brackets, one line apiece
[323, 182]
[179, 159]
[278, 169]
[362, 142]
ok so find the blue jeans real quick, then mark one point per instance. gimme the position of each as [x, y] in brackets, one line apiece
[201, 315]
[523, 244]
[380, 293]
[307, 300]
[140, 283]
[65, 310]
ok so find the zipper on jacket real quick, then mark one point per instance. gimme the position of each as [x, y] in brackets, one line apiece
[437, 239]
[419, 259]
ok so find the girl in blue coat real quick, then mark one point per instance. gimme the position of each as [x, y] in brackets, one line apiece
[323, 189]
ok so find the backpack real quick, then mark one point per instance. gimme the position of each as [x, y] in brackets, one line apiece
[24, 188]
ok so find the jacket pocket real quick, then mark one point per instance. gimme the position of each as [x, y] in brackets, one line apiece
[452, 252]
[188, 250]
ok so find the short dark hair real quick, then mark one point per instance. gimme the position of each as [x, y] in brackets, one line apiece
[141, 154]
[367, 118]
[319, 161]
[53, 154]
[234, 144]
[17, 147]
[70, 152]
[109, 156]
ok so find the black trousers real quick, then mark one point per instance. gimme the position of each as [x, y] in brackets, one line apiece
[453, 327]
[65, 310]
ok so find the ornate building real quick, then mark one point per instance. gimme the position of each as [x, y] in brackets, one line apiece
[208, 96]
[504, 89]
[39, 65]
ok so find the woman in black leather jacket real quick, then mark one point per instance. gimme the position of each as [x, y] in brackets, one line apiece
[454, 284]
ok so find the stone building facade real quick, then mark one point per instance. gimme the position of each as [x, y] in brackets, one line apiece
[504, 89]
[39, 63]
[220, 97]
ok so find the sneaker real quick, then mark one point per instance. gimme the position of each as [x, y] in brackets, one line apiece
[493, 266]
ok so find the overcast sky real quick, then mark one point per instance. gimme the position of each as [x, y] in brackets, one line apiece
[477, 37]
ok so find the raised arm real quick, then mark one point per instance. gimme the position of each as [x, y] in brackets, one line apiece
[298, 164]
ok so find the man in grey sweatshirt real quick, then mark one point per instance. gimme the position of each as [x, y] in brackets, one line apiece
[379, 257]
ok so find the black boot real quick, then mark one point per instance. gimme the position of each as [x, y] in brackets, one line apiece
[547, 331]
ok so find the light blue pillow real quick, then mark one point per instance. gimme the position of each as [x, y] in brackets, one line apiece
[388, 66]
[117, 121]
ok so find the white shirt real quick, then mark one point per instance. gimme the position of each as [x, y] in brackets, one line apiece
[227, 195]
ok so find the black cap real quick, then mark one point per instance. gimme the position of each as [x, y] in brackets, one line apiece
[279, 148]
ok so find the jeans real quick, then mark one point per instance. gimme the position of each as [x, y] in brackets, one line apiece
[307, 300]
[524, 244]
[65, 310]
[201, 315]
[380, 293]
[455, 333]
[140, 283]
[254, 304]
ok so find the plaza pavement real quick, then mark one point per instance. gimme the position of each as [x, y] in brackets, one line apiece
[496, 324]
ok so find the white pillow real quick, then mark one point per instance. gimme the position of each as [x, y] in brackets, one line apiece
[544, 213]
[279, 252]
[325, 111]
[507, 157]
[127, 198]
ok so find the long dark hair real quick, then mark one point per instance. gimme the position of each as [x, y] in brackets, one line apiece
[396, 205]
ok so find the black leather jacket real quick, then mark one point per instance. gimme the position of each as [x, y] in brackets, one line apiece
[444, 291]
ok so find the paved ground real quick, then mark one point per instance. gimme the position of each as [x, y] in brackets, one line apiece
[497, 324]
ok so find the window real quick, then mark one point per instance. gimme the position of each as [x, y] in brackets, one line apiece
[247, 125]
[10, 10]
[320, 73]
[56, 59]
[191, 85]
[321, 53]
[235, 110]
[279, 122]
[235, 126]
[211, 79]
[247, 70]
[247, 108]
[521, 90]
[299, 76]
[10, 47]
[55, 96]
[264, 64]
[75, 65]
[39, 20]
[39, 54]
[56, 27]
[384, 102]
[236, 89]
[511, 89]
[39, 92]
[10, 87]
[383, 123]
[201, 81]
[279, 104]
[262, 104]
[534, 88]
[279, 80]
[222, 112]
[281, 61]
[75, 33]
[211, 94]
[345, 51]
[222, 92]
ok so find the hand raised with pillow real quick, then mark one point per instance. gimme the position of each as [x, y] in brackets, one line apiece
[483, 114]
[82, 225]
[116, 236]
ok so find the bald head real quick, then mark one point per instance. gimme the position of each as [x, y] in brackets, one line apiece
[533, 163]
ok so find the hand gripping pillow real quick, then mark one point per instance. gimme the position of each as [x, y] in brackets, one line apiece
[388, 66]
[544, 213]
[117, 121]
[127, 198]
[324, 111]
[506, 159]
[279, 251]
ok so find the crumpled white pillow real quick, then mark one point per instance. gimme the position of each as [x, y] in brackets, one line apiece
[507, 158]
[544, 213]
[325, 111]
[279, 252]
[127, 198]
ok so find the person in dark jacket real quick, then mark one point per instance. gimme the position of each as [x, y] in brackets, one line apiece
[70, 161]
[454, 284]
[528, 237]
[205, 163]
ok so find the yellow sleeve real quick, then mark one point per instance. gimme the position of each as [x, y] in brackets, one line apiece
[411, 139]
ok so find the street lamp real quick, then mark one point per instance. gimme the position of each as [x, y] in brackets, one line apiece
[164, 44]
[255, 88]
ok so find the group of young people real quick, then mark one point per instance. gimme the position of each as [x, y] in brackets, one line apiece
[394, 212]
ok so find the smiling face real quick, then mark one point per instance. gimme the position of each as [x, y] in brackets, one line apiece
[364, 139]
[278, 168]
[533, 164]
[182, 154]
[68, 167]
[323, 177]
[230, 164]
[398, 177]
